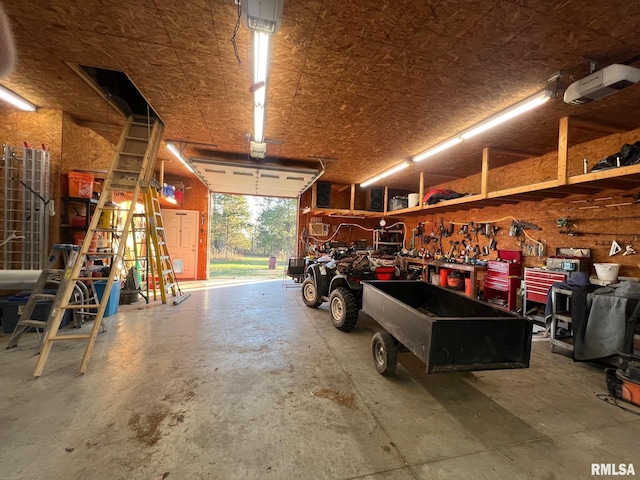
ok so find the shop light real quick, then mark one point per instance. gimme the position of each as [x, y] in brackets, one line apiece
[511, 112]
[437, 149]
[386, 173]
[260, 69]
[178, 154]
[16, 100]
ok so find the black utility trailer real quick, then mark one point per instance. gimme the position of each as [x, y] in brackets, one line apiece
[445, 329]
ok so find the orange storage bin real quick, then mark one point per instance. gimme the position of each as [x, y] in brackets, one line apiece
[631, 392]
[444, 273]
[80, 184]
[78, 239]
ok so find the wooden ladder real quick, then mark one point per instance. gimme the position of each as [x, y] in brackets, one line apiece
[159, 258]
[129, 173]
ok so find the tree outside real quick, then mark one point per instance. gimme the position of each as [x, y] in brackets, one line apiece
[275, 228]
[244, 234]
[230, 225]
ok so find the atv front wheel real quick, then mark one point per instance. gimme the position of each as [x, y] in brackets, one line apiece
[343, 308]
[310, 295]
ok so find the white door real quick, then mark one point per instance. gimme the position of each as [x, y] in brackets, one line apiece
[181, 229]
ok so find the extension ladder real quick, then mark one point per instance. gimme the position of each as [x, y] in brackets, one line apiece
[159, 258]
[130, 172]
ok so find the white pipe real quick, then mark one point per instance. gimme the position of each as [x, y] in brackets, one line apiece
[18, 279]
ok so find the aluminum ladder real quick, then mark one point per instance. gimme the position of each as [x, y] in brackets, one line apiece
[60, 254]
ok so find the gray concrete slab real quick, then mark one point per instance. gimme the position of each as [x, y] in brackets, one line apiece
[244, 381]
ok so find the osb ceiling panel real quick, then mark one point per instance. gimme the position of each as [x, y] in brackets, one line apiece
[366, 82]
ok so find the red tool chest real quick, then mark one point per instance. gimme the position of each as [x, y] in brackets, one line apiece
[538, 282]
[503, 277]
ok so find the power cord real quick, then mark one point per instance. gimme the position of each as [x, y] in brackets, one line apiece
[235, 33]
[611, 400]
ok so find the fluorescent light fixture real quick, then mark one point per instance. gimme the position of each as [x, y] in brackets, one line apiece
[513, 111]
[178, 154]
[16, 100]
[386, 173]
[437, 149]
[260, 68]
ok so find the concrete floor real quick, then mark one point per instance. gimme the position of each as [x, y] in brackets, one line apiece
[245, 382]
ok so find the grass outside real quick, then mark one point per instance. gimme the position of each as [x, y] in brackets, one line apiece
[245, 267]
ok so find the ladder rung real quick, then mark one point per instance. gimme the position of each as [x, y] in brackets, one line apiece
[166, 272]
[132, 154]
[74, 306]
[71, 337]
[42, 296]
[121, 188]
[141, 139]
[87, 279]
[101, 255]
[53, 271]
[32, 323]
[122, 170]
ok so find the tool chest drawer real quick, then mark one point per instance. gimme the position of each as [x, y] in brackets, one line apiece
[538, 282]
[496, 283]
[504, 268]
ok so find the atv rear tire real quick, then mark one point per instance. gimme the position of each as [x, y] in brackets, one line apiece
[344, 310]
[310, 295]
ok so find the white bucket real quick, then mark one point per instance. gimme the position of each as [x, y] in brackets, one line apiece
[414, 199]
[607, 271]
[435, 279]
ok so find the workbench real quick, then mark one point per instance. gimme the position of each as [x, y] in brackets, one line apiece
[470, 271]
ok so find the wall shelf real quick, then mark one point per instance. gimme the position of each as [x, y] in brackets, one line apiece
[621, 178]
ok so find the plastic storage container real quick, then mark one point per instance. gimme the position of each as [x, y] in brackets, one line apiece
[385, 273]
[80, 185]
[11, 309]
[114, 297]
[607, 271]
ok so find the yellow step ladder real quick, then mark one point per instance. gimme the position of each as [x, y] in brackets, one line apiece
[162, 272]
[129, 173]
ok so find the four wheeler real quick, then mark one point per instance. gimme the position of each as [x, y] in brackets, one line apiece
[342, 291]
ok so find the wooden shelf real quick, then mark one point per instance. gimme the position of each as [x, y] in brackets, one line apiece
[623, 179]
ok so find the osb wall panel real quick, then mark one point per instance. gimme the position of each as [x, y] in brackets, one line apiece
[597, 228]
[524, 172]
[346, 230]
[596, 150]
[83, 149]
[470, 184]
[196, 197]
[43, 127]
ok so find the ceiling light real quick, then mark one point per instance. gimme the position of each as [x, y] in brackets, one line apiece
[178, 154]
[16, 100]
[513, 111]
[437, 149]
[260, 68]
[386, 173]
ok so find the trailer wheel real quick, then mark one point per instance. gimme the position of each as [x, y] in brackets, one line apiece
[344, 309]
[310, 295]
[384, 352]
